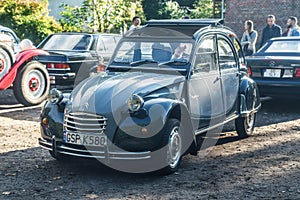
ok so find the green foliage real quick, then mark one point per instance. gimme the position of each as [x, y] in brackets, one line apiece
[205, 9]
[168, 9]
[100, 15]
[28, 18]
[171, 10]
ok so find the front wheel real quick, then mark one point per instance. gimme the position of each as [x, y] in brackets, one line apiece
[245, 125]
[173, 149]
[32, 84]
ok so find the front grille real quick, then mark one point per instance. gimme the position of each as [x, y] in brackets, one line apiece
[80, 122]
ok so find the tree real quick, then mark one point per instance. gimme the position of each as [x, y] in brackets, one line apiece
[171, 10]
[28, 18]
[207, 9]
[100, 15]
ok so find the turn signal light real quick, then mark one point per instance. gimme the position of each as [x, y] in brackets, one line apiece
[45, 121]
[297, 73]
[101, 68]
[249, 71]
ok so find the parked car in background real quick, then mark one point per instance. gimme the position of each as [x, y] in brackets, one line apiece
[28, 78]
[276, 67]
[168, 83]
[8, 36]
[73, 56]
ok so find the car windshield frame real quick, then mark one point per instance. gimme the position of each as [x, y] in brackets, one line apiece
[67, 42]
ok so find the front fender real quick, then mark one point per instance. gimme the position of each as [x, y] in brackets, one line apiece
[21, 58]
[249, 96]
[54, 115]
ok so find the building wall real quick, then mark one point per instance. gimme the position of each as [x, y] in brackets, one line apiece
[238, 11]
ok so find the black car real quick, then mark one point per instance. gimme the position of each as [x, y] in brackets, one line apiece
[168, 86]
[73, 56]
[276, 67]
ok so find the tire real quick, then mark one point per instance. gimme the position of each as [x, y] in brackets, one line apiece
[5, 62]
[245, 125]
[32, 84]
[172, 140]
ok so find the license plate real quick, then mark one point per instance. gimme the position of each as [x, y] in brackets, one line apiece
[273, 73]
[85, 139]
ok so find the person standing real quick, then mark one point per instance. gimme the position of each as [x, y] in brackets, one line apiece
[136, 22]
[249, 38]
[271, 30]
[293, 28]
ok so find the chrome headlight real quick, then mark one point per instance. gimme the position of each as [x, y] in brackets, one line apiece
[135, 102]
[55, 96]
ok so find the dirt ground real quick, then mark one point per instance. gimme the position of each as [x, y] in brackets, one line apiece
[263, 166]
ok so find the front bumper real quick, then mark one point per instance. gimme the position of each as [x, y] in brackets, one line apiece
[105, 153]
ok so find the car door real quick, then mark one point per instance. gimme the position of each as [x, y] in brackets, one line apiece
[204, 88]
[228, 63]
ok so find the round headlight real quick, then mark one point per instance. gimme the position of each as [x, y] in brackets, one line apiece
[55, 96]
[135, 102]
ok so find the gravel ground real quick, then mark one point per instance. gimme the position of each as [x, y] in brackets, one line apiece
[263, 166]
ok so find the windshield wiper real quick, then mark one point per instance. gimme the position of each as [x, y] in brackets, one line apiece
[140, 62]
[175, 62]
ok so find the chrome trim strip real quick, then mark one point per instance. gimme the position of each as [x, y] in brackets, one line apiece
[198, 132]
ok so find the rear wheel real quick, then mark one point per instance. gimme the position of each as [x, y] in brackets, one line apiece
[5, 62]
[32, 85]
[245, 125]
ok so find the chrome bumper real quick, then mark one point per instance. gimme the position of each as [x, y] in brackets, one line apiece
[104, 153]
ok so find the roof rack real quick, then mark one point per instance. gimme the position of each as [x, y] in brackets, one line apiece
[185, 22]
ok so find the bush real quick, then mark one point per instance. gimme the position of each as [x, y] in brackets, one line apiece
[28, 18]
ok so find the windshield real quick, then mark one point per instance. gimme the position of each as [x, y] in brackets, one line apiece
[158, 52]
[284, 47]
[68, 42]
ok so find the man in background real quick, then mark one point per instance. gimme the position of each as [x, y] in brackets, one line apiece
[136, 22]
[271, 30]
[293, 28]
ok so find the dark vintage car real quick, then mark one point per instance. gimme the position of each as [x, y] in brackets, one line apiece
[73, 56]
[168, 84]
[276, 67]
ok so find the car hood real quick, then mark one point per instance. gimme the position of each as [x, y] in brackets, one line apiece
[110, 93]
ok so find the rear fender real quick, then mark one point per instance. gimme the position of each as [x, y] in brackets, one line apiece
[249, 96]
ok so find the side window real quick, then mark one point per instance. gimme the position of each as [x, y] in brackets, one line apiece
[205, 59]
[109, 43]
[226, 54]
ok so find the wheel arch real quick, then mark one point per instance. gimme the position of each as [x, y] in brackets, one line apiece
[180, 112]
[249, 96]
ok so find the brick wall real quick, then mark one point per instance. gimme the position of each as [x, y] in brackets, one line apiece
[237, 11]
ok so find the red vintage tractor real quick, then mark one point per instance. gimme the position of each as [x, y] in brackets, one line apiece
[28, 77]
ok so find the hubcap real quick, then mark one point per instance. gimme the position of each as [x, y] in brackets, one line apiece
[35, 84]
[2, 65]
[174, 147]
